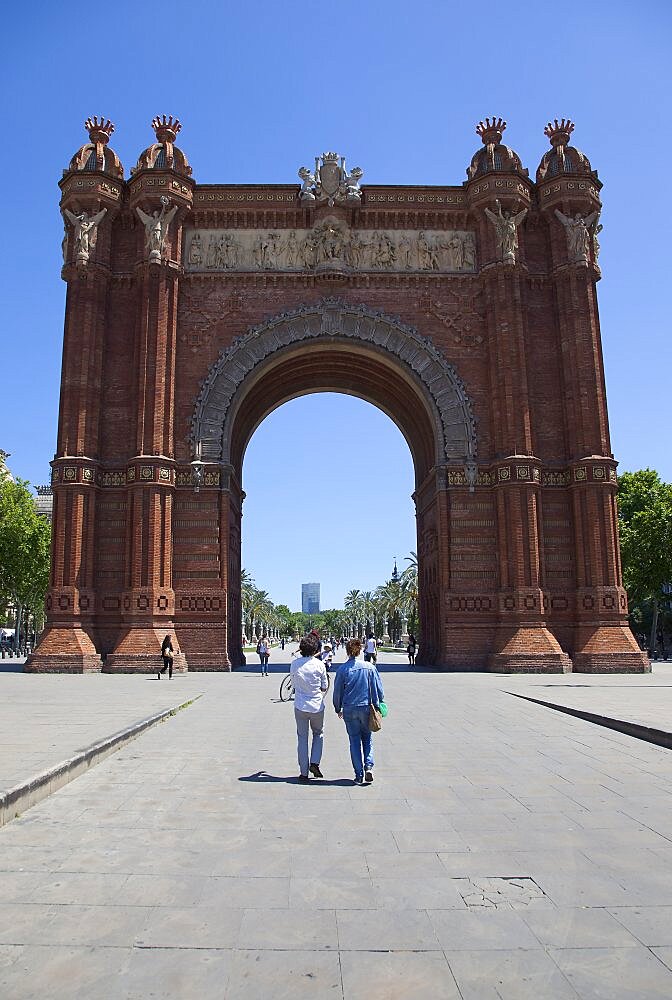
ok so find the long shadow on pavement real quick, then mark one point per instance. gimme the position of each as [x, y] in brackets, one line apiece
[264, 776]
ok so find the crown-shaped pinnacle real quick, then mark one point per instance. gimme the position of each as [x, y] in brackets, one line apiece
[559, 131]
[166, 128]
[491, 131]
[99, 129]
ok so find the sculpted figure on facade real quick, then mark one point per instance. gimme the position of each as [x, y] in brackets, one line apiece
[307, 192]
[309, 252]
[290, 250]
[232, 250]
[353, 191]
[86, 233]
[356, 250]
[427, 257]
[262, 252]
[195, 251]
[468, 251]
[211, 259]
[64, 242]
[578, 232]
[405, 252]
[156, 229]
[330, 183]
[506, 227]
[595, 231]
[384, 251]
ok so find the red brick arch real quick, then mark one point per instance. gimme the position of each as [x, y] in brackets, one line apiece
[493, 373]
[335, 347]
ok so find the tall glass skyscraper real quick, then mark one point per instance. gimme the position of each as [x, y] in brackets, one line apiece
[310, 598]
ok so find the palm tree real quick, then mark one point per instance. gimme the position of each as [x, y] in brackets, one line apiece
[409, 590]
[413, 560]
[258, 607]
[353, 605]
[367, 605]
[390, 598]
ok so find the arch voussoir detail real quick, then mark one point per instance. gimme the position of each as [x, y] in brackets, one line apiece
[454, 419]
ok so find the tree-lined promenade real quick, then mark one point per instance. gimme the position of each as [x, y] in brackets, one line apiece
[390, 611]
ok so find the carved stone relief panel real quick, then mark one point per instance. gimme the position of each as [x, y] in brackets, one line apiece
[328, 244]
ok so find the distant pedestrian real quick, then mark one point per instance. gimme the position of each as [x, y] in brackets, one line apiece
[371, 649]
[316, 636]
[411, 649]
[356, 688]
[327, 656]
[282, 643]
[264, 651]
[309, 678]
[167, 654]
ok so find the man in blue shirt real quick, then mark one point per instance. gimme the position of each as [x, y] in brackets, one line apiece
[357, 687]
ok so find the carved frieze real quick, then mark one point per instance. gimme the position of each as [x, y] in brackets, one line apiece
[330, 243]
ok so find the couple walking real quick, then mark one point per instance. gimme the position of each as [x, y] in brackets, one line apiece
[356, 688]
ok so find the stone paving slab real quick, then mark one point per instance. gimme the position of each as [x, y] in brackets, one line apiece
[51, 733]
[47, 719]
[504, 850]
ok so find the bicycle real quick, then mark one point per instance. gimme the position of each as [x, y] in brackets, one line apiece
[287, 687]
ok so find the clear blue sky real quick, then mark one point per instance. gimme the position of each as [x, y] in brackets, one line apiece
[396, 87]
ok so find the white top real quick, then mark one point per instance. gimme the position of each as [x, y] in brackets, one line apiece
[309, 678]
[370, 646]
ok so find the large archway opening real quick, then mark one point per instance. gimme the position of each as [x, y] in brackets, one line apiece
[333, 367]
[329, 480]
[335, 347]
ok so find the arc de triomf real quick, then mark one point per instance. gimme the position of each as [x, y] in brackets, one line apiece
[467, 313]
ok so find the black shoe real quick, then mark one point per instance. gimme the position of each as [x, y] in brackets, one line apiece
[158, 676]
[304, 778]
[368, 777]
[359, 780]
[315, 770]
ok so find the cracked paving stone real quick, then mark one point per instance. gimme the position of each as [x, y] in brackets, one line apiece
[500, 892]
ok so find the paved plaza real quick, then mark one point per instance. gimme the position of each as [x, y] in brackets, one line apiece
[504, 850]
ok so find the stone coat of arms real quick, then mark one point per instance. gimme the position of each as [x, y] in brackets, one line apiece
[330, 183]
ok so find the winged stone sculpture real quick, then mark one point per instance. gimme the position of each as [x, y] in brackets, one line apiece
[86, 233]
[156, 229]
[506, 227]
[578, 231]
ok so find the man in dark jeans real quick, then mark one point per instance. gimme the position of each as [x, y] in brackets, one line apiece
[371, 649]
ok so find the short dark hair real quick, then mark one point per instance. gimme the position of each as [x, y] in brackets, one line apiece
[353, 647]
[308, 645]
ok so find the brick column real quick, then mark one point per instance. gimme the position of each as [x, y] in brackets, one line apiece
[205, 571]
[603, 641]
[522, 640]
[69, 642]
[148, 600]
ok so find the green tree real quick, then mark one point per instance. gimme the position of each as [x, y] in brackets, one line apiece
[645, 522]
[409, 592]
[335, 622]
[286, 620]
[25, 542]
[390, 599]
[353, 605]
